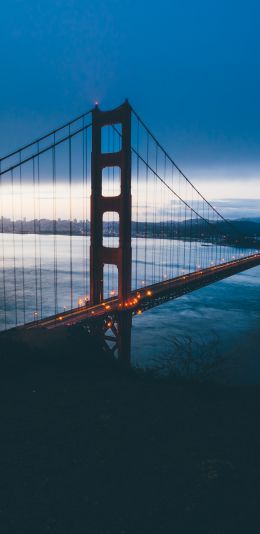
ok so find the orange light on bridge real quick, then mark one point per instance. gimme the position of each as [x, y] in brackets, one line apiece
[149, 293]
[107, 307]
[139, 312]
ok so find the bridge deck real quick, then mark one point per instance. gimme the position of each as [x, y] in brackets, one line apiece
[150, 296]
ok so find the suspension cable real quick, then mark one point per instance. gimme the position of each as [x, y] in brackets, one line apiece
[43, 137]
[182, 173]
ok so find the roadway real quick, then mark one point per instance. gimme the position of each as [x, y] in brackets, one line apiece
[147, 297]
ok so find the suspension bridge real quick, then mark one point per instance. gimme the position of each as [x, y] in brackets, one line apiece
[99, 224]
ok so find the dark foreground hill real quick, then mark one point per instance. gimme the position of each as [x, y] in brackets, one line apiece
[87, 448]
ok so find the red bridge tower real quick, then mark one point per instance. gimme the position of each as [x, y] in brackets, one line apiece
[99, 254]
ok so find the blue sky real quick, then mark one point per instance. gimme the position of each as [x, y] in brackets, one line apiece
[191, 69]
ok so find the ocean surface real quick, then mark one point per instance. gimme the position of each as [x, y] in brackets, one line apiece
[214, 331]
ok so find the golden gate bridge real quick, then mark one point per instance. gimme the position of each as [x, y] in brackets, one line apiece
[99, 224]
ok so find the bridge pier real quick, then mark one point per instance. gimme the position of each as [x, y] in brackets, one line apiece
[124, 336]
[121, 204]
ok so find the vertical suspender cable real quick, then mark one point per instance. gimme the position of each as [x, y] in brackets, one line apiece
[156, 224]
[108, 216]
[55, 280]
[154, 229]
[146, 208]
[160, 231]
[137, 204]
[166, 241]
[70, 201]
[39, 228]
[84, 291]
[3, 246]
[22, 236]
[87, 200]
[191, 238]
[35, 241]
[185, 229]
[113, 193]
[173, 225]
[14, 249]
[178, 229]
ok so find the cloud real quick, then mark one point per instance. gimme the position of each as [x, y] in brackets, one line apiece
[239, 207]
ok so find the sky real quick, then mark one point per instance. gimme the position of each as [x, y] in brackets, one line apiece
[190, 69]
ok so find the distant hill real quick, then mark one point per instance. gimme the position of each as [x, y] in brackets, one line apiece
[191, 228]
[250, 219]
[250, 227]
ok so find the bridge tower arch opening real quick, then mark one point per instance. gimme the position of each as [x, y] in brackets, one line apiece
[121, 256]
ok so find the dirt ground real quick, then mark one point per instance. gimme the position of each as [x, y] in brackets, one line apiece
[89, 448]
